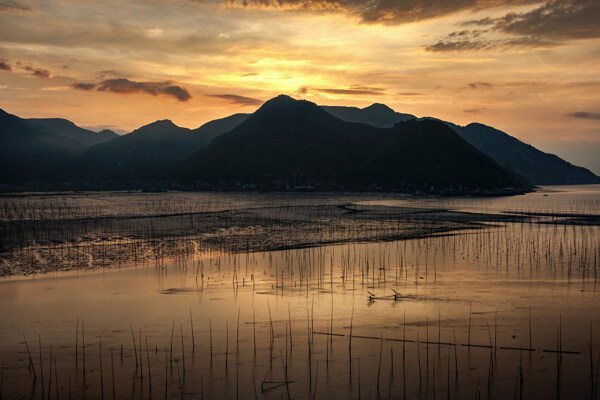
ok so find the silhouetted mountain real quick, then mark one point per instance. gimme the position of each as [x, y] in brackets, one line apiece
[376, 114]
[142, 154]
[296, 142]
[109, 132]
[32, 152]
[212, 129]
[299, 142]
[79, 138]
[539, 167]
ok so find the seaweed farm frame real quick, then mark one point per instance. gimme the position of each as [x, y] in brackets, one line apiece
[117, 295]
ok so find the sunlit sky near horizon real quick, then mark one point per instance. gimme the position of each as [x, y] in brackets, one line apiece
[530, 68]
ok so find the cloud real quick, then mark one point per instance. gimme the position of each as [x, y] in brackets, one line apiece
[443, 46]
[585, 115]
[478, 44]
[125, 86]
[178, 92]
[475, 110]
[83, 86]
[37, 72]
[110, 74]
[235, 99]
[353, 91]
[548, 25]
[480, 85]
[556, 20]
[411, 94]
[13, 7]
[380, 11]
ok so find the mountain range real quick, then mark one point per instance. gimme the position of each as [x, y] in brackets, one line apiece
[285, 140]
[539, 167]
[298, 142]
[42, 149]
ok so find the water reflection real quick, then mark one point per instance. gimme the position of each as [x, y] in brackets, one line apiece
[305, 314]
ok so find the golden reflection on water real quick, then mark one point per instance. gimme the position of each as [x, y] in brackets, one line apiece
[476, 287]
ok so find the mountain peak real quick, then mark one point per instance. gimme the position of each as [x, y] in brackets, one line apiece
[157, 130]
[162, 123]
[108, 132]
[379, 107]
[285, 110]
[279, 101]
[56, 122]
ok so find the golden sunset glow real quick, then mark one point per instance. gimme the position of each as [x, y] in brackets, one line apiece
[121, 64]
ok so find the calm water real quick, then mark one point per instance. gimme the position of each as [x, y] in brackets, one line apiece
[267, 315]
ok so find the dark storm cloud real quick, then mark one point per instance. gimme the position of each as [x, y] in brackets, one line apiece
[586, 115]
[13, 7]
[84, 86]
[381, 11]
[235, 99]
[4, 66]
[125, 86]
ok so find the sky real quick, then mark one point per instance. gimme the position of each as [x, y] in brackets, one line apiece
[530, 68]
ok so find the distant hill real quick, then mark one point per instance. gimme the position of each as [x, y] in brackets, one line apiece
[376, 114]
[142, 154]
[539, 167]
[212, 129]
[109, 132]
[152, 150]
[299, 142]
[32, 152]
[79, 138]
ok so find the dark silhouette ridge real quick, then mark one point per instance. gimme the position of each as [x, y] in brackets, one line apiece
[212, 129]
[377, 114]
[144, 153]
[321, 144]
[32, 152]
[113, 134]
[539, 167]
[150, 151]
[298, 142]
[82, 138]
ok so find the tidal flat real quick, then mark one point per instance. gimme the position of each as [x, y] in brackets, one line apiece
[300, 295]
